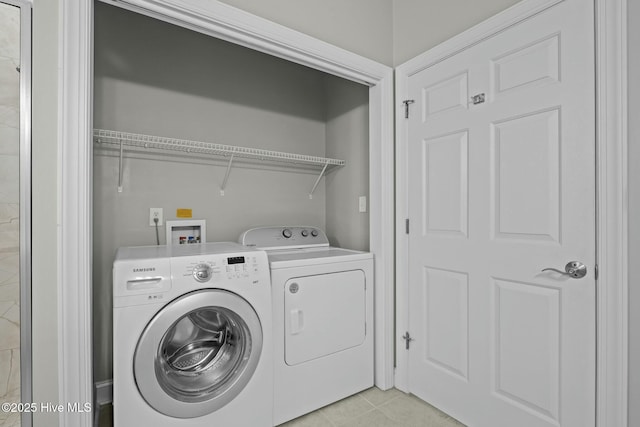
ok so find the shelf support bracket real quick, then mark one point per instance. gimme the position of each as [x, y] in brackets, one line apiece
[226, 176]
[318, 180]
[120, 167]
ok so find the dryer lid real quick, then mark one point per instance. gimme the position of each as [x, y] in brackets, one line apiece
[329, 255]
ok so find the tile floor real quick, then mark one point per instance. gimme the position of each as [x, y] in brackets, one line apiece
[371, 408]
[377, 408]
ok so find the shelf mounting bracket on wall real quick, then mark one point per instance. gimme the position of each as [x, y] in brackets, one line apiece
[318, 180]
[226, 176]
[120, 168]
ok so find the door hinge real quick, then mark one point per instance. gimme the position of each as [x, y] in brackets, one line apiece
[406, 225]
[407, 339]
[406, 103]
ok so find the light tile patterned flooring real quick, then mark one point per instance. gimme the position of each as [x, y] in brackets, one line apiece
[377, 408]
[371, 408]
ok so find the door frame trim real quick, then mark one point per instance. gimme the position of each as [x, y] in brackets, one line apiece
[74, 166]
[75, 380]
[611, 186]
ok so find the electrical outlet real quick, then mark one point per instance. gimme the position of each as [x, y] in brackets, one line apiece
[155, 213]
[362, 204]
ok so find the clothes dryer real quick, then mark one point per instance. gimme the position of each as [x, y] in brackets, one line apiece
[192, 340]
[323, 318]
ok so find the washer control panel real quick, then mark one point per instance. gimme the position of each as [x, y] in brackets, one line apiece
[149, 275]
[208, 269]
[284, 237]
[202, 272]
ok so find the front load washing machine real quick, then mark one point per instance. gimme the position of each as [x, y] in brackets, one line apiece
[322, 318]
[192, 340]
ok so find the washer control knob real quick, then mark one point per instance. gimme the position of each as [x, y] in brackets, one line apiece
[202, 272]
[314, 233]
[287, 233]
[305, 233]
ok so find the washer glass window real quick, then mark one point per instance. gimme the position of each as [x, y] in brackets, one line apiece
[198, 353]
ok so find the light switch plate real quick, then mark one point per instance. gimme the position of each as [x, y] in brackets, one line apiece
[362, 204]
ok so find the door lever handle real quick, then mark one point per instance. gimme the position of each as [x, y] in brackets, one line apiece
[574, 269]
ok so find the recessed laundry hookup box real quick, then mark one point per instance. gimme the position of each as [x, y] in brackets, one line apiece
[186, 232]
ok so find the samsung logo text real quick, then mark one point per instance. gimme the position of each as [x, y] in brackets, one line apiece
[143, 269]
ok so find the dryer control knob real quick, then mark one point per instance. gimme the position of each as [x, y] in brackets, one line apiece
[305, 233]
[202, 272]
[314, 233]
[287, 233]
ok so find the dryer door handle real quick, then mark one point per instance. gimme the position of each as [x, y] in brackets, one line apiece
[297, 321]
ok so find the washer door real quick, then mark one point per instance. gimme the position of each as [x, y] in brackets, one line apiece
[198, 353]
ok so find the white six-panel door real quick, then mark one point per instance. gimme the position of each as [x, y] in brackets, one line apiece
[499, 190]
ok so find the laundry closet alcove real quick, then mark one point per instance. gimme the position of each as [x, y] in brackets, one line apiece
[155, 78]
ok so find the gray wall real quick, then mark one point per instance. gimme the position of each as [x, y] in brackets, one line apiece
[634, 211]
[44, 208]
[155, 78]
[361, 26]
[419, 25]
[348, 138]
[387, 31]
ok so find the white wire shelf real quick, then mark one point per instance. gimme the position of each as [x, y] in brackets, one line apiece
[197, 148]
